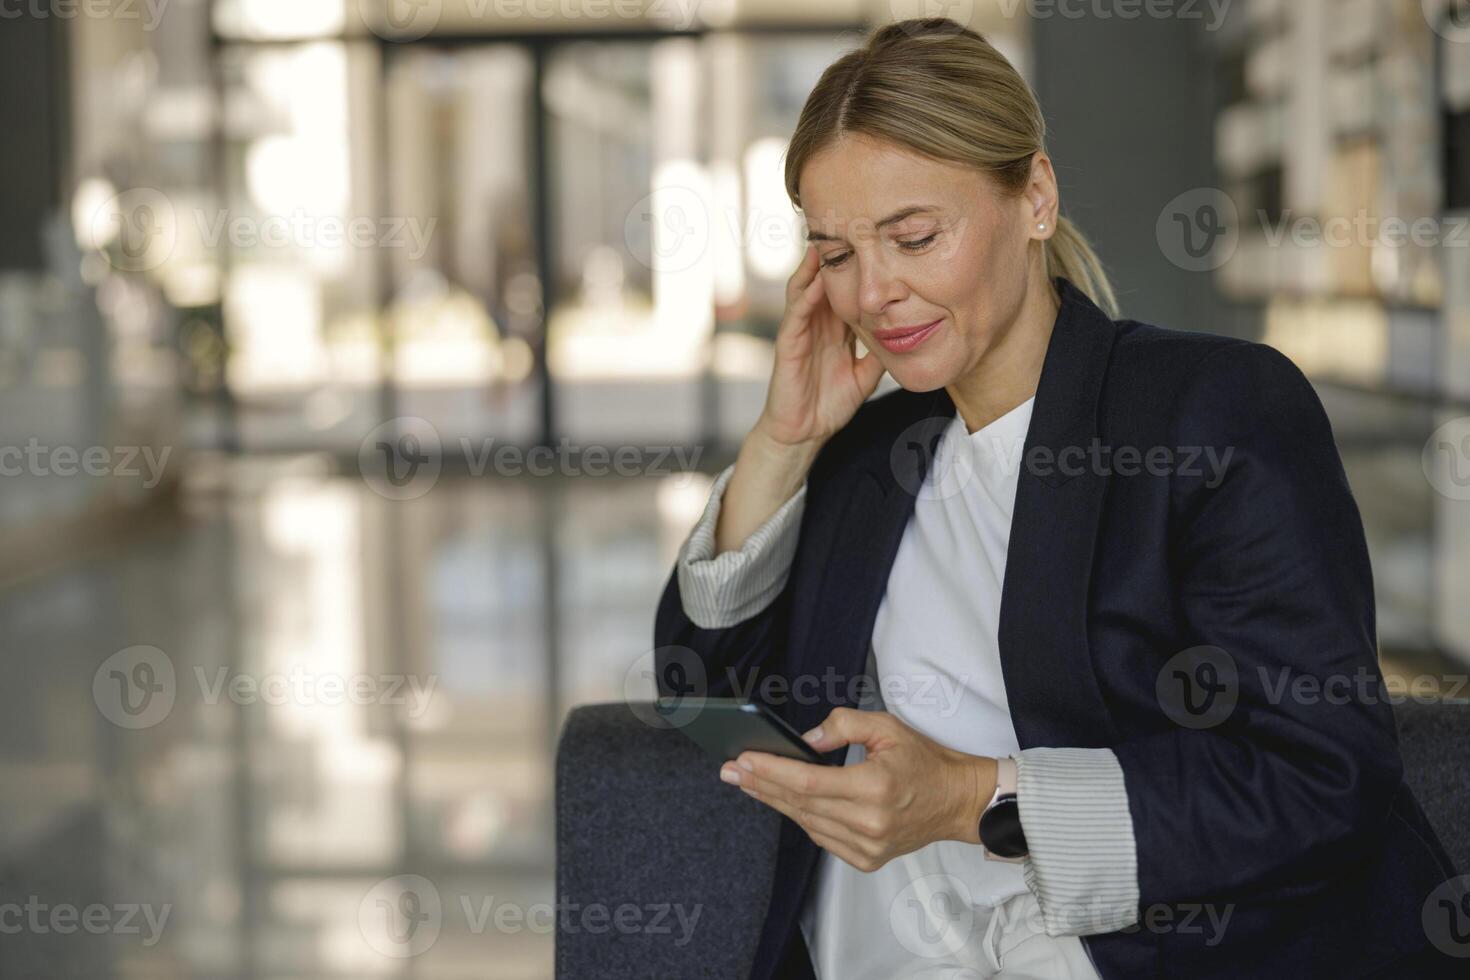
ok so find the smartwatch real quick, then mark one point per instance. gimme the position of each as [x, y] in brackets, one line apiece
[1000, 824]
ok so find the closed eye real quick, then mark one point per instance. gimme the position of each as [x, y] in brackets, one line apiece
[914, 245]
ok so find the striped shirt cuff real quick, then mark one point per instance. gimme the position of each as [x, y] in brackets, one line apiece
[1083, 861]
[718, 591]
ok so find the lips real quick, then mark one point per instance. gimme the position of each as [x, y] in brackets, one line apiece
[901, 340]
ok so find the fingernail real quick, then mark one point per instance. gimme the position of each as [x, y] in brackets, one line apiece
[744, 764]
[729, 775]
[815, 735]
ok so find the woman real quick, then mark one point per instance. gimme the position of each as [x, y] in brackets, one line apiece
[1092, 562]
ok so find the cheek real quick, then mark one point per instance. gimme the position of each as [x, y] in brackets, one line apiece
[984, 275]
[842, 297]
[984, 258]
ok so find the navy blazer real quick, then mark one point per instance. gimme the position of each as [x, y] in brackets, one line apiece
[1181, 613]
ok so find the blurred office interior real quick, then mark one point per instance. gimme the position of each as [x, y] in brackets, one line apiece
[248, 244]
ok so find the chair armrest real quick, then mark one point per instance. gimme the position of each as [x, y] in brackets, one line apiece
[662, 870]
[1432, 741]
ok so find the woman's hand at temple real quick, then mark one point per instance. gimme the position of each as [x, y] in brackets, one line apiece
[817, 381]
[909, 791]
[817, 384]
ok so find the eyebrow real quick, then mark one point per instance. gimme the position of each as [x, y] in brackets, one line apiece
[817, 236]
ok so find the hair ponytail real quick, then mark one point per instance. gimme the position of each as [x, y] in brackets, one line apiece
[1069, 254]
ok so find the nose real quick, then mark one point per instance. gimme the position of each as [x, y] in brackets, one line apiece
[878, 288]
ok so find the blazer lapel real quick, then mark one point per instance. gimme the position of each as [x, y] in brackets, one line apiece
[1051, 685]
[857, 570]
[1053, 693]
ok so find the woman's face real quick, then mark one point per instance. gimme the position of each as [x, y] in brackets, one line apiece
[961, 262]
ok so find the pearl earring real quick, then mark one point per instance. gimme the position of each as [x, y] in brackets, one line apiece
[1041, 226]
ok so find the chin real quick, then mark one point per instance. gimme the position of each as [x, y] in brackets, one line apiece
[920, 376]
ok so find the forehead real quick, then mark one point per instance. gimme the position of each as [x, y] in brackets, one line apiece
[859, 178]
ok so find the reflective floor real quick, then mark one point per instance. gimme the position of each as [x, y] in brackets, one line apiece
[220, 739]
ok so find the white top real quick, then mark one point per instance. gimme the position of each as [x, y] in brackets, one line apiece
[937, 660]
[1083, 862]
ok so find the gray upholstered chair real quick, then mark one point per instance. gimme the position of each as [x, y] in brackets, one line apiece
[1435, 742]
[645, 830]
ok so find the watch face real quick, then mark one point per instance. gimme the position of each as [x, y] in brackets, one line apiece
[1000, 828]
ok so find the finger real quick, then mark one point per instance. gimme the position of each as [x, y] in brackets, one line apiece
[813, 822]
[794, 777]
[826, 806]
[805, 271]
[867, 371]
[811, 296]
[860, 824]
[844, 726]
[800, 307]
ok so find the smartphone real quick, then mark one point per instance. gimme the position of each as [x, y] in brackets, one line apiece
[726, 727]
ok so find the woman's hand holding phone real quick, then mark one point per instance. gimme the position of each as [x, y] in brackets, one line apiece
[909, 791]
[817, 384]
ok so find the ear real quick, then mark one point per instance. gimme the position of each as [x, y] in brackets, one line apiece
[1041, 198]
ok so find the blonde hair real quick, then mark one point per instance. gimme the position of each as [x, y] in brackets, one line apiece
[941, 90]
